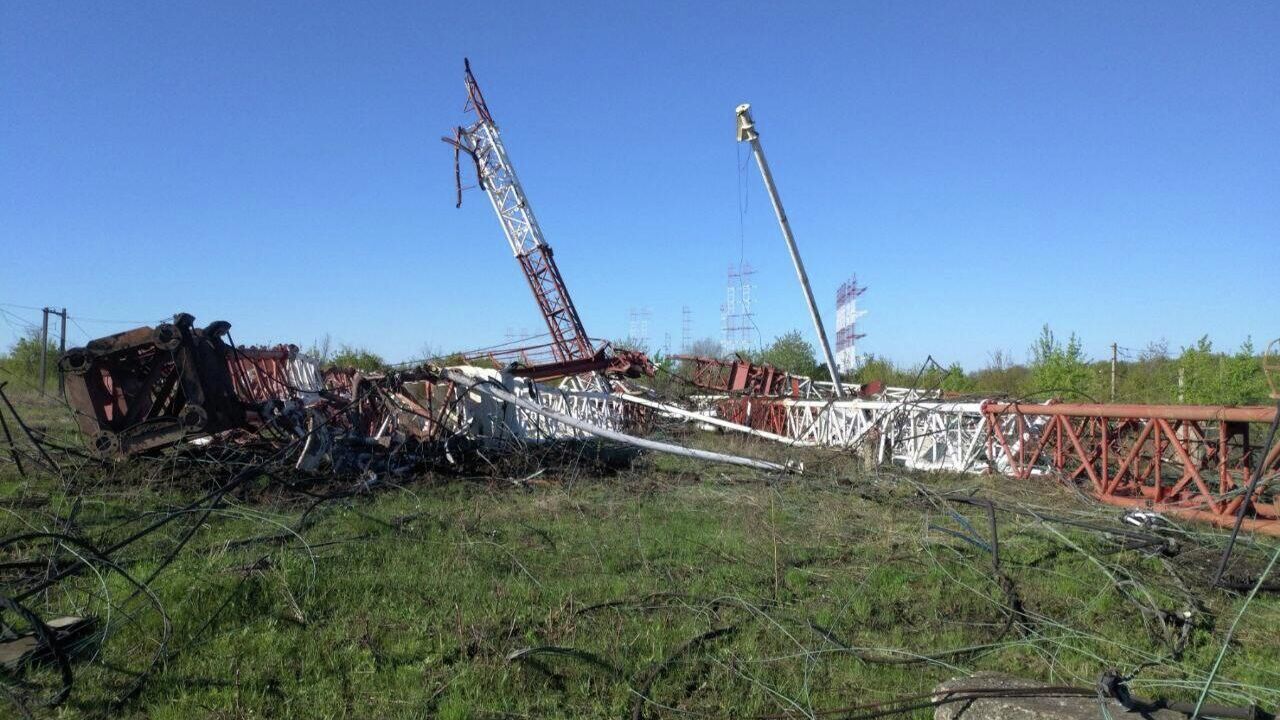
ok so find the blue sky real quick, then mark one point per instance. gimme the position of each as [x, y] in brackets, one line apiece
[1111, 169]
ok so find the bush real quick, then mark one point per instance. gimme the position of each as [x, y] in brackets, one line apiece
[358, 358]
[793, 354]
[23, 358]
[1059, 370]
[1212, 378]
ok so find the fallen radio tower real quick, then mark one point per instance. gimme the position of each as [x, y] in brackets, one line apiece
[1197, 462]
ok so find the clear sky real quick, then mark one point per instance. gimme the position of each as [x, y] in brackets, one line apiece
[1109, 168]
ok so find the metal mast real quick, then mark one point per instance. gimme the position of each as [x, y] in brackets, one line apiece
[498, 179]
[747, 133]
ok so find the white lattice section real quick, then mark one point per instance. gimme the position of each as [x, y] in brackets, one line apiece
[486, 418]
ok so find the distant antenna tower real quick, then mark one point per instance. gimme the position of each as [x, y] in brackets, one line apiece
[686, 329]
[738, 320]
[847, 314]
[666, 343]
[638, 326]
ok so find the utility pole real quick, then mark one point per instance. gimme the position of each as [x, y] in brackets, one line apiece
[1182, 384]
[62, 349]
[747, 133]
[1114, 348]
[44, 345]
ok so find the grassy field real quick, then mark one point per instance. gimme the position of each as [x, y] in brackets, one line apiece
[667, 588]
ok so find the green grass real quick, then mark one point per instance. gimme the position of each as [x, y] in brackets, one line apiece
[407, 601]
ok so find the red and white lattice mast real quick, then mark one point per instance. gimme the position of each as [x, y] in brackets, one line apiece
[483, 143]
[847, 314]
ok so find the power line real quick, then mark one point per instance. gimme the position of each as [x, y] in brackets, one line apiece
[118, 321]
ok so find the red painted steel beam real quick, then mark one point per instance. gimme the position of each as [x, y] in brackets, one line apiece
[1253, 414]
[535, 362]
[1264, 526]
[1189, 461]
[741, 376]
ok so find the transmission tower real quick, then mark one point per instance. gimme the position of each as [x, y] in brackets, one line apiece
[638, 325]
[737, 316]
[686, 328]
[847, 314]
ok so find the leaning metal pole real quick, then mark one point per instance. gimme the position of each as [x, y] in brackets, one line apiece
[747, 133]
[501, 393]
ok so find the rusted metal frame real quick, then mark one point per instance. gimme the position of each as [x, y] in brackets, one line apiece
[1022, 442]
[1254, 414]
[1224, 449]
[1058, 445]
[1265, 526]
[1191, 469]
[1092, 439]
[1045, 438]
[993, 427]
[1085, 460]
[107, 388]
[628, 363]
[270, 377]
[1104, 426]
[255, 370]
[1220, 506]
[1272, 461]
[553, 300]
[1210, 449]
[1127, 466]
[141, 409]
[148, 387]
[189, 372]
[1188, 469]
[1088, 431]
[1119, 434]
[97, 397]
[742, 376]
[1146, 475]
[1157, 460]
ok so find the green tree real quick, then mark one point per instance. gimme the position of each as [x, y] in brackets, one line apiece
[874, 367]
[1058, 369]
[23, 358]
[956, 381]
[1152, 378]
[1200, 372]
[358, 358]
[1002, 376]
[630, 343]
[1243, 377]
[792, 353]
[1215, 378]
[321, 349]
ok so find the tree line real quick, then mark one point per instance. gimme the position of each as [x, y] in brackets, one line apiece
[1198, 374]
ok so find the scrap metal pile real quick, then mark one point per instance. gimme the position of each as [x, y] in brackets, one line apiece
[149, 388]
[1199, 462]
[154, 387]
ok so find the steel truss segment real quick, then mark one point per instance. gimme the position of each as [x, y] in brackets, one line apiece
[493, 422]
[483, 142]
[1187, 460]
[1193, 461]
